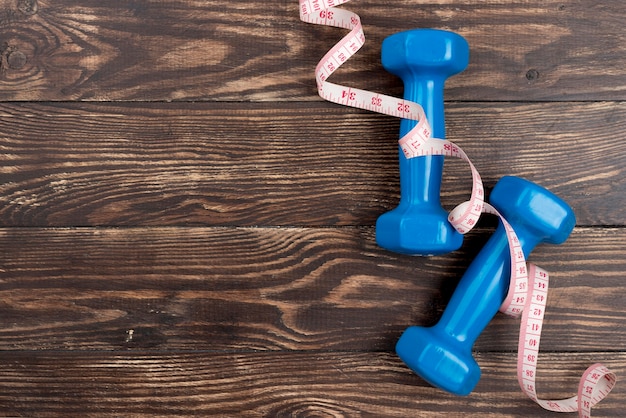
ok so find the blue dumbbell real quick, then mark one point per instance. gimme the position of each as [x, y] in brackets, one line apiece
[442, 354]
[423, 59]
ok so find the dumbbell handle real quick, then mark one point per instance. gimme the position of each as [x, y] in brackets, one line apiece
[420, 178]
[483, 288]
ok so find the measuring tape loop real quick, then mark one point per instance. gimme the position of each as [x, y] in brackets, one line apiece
[323, 12]
[464, 216]
[596, 382]
[528, 287]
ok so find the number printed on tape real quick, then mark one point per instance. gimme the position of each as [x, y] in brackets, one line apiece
[528, 290]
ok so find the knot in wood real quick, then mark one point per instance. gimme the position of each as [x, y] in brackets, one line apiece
[28, 7]
[16, 60]
[532, 75]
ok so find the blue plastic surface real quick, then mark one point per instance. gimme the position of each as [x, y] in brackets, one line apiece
[423, 59]
[442, 354]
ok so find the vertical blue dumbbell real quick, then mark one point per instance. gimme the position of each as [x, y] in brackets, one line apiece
[423, 59]
[442, 354]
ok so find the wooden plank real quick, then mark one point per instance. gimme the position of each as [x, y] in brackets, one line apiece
[277, 384]
[215, 50]
[290, 164]
[276, 289]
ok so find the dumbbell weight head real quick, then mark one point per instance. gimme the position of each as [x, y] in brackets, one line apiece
[437, 53]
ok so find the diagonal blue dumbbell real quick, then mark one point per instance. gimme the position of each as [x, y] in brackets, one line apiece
[442, 354]
[423, 59]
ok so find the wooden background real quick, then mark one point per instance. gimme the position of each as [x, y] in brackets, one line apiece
[187, 228]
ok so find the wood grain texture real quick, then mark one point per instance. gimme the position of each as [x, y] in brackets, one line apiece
[292, 384]
[276, 289]
[252, 50]
[186, 228]
[267, 164]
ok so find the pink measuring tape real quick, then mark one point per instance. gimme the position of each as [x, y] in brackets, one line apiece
[528, 289]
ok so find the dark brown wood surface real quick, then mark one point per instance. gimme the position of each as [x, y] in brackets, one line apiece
[186, 228]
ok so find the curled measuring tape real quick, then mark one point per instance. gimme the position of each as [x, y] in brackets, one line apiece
[596, 382]
[527, 294]
[413, 144]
